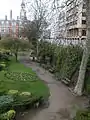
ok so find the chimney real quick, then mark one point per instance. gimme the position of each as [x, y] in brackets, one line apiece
[5, 17]
[10, 14]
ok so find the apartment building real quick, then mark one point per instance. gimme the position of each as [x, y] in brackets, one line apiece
[76, 19]
[61, 23]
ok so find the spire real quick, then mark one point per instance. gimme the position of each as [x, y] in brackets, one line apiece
[23, 11]
[23, 4]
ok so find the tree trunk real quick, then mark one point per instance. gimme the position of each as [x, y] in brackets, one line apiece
[80, 83]
[16, 56]
[79, 86]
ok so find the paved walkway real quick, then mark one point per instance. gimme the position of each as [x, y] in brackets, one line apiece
[60, 100]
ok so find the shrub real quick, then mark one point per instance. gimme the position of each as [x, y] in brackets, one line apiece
[8, 116]
[13, 92]
[88, 88]
[11, 114]
[83, 115]
[5, 57]
[5, 102]
[3, 64]
[68, 60]
[25, 94]
[1, 67]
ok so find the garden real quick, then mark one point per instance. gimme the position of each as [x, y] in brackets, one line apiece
[20, 88]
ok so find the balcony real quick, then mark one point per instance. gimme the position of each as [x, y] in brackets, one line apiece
[72, 27]
[83, 26]
[83, 18]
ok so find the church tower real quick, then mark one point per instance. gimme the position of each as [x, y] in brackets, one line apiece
[23, 11]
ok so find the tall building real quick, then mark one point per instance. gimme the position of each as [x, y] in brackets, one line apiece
[11, 26]
[61, 23]
[23, 11]
[76, 19]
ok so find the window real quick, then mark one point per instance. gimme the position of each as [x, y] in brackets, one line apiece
[84, 6]
[83, 32]
[84, 14]
[83, 21]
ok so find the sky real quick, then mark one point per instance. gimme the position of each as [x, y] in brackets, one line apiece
[7, 5]
[14, 5]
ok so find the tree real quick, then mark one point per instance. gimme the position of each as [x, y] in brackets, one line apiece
[14, 45]
[34, 29]
[80, 83]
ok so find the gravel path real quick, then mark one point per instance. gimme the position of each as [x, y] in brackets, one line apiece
[61, 99]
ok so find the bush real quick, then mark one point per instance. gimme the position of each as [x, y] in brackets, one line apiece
[5, 102]
[25, 94]
[8, 116]
[13, 92]
[83, 115]
[68, 60]
[88, 88]
[4, 57]
[1, 67]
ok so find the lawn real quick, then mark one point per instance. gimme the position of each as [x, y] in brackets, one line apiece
[23, 79]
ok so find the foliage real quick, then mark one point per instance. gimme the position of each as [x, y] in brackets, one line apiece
[8, 115]
[25, 94]
[83, 115]
[4, 57]
[46, 52]
[13, 92]
[5, 102]
[21, 76]
[62, 60]
[14, 45]
[22, 85]
[68, 60]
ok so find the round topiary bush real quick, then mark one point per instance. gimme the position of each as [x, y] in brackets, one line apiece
[10, 115]
[13, 92]
[26, 94]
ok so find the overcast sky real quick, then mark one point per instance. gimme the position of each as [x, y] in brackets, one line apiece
[7, 5]
[14, 5]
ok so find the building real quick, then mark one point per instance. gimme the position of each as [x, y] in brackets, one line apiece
[12, 27]
[61, 23]
[76, 19]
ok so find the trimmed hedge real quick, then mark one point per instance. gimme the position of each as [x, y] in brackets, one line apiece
[83, 115]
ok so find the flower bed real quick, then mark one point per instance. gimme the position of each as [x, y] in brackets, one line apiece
[21, 86]
[21, 76]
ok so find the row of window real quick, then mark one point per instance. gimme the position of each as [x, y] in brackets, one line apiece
[75, 22]
[8, 22]
[71, 23]
[70, 33]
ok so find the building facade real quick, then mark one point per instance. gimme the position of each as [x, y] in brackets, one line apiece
[76, 19]
[12, 27]
[61, 23]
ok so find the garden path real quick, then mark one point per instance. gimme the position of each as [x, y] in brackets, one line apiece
[61, 98]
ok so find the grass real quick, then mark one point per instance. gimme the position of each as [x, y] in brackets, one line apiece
[37, 88]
